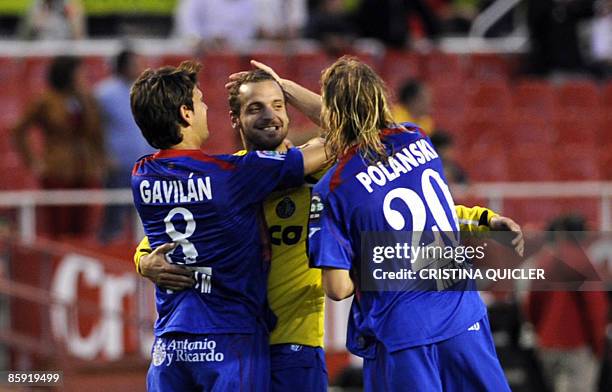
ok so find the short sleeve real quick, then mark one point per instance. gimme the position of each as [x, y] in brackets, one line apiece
[329, 245]
[143, 249]
[262, 172]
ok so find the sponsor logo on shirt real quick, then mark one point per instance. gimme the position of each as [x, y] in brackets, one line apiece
[313, 231]
[475, 327]
[159, 352]
[271, 155]
[170, 351]
[285, 208]
[316, 207]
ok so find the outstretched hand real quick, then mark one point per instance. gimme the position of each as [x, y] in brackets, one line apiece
[502, 223]
[158, 270]
[267, 69]
[233, 78]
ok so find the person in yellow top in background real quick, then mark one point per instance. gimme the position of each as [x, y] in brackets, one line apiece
[295, 292]
[414, 105]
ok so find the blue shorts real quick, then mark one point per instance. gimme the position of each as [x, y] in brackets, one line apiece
[466, 362]
[298, 368]
[213, 362]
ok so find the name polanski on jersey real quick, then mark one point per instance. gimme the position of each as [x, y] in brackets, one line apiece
[194, 189]
[402, 162]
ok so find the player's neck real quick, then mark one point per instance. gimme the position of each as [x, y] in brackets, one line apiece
[191, 140]
[251, 147]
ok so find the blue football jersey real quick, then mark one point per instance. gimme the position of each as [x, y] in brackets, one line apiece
[211, 207]
[408, 195]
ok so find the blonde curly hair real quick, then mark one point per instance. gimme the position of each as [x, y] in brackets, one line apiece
[355, 109]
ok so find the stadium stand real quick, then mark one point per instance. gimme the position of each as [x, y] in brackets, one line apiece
[488, 66]
[398, 66]
[443, 66]
[533, 98]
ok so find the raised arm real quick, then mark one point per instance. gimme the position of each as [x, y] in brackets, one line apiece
[315, 156]
[304, 100]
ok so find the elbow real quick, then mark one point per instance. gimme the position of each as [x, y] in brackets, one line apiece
[338, 295]
[337, 291]
[337, 286]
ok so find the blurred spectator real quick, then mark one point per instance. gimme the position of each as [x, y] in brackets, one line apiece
[554, 36]
[72, 155]
[387, 20]
[123, 141]
[444, 145]
[53, 19]
[217, 23]
[459, 16]
[570, 325]
[414, 105]
[331, 22]
[281, 19]
[601, 38]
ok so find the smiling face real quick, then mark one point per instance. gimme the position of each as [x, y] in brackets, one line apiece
[263, 122]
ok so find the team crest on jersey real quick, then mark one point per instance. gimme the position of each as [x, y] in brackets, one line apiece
[285, 208]
[316, 207]
[159, 352]
[271, 155]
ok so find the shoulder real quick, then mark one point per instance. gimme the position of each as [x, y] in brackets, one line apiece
[139, 167]
[322, 187]
[266, 158]
[404, 131]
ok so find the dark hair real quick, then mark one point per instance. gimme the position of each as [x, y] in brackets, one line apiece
[156, 99]
[570, 226]
[122, 61]
[60, 75]
[254, 76]
[409, 90]
[441, 139]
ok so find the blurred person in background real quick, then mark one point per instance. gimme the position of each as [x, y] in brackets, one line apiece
[122, 139]
[459, 15]
[72, 156]
[601, 38]
[217, 24]
[388, 20]
[414, 105]
[553, 34]
[53, 19]
[281, 19]
[332, 23]
[570, 325]
[445, 146]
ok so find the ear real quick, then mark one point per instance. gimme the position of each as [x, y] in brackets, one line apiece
[235, 120]
[186, 114]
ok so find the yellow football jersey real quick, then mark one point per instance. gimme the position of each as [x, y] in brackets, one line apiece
[295, 291]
